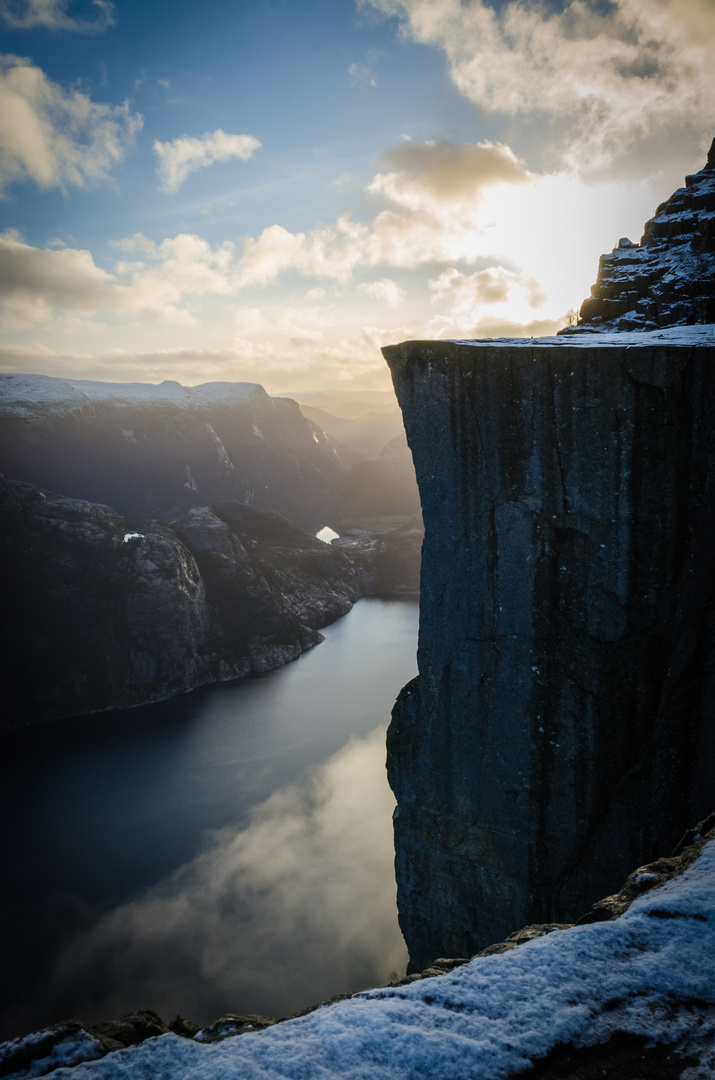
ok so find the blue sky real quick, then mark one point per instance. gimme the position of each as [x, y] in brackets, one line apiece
[270, 190]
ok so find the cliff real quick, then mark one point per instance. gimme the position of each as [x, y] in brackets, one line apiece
[98, 615]
[560, 730]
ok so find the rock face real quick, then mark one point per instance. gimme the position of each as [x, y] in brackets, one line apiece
[97, 615]
[155, 451]
[669, 278]
[561, 728]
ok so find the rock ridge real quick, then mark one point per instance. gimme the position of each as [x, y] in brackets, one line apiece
[669, 278]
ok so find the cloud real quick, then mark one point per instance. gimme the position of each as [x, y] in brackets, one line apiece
[54, 137]
[445, 172]
[292, 910]
[35, 284]
[433, 196]
[181, 156]
[387, 291]
[491, 294]
[52, 15]
[365, 74]
[603, 86]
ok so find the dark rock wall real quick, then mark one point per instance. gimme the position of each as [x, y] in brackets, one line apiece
[561, 728]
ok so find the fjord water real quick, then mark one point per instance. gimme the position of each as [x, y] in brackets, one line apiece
[226, 850]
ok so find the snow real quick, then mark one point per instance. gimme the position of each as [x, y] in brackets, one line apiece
[699, 334]
[649, 973]
[73, 1047]
[26, 395]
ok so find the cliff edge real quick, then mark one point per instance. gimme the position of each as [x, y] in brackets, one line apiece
[560, 729]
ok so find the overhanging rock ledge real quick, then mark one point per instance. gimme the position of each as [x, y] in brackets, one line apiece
[561, 727]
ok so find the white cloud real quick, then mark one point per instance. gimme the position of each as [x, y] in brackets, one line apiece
[54, 137]
[601, 85]
[35, 284]
[433, 196]
[387, 291]
[52, 15]
[184, 155]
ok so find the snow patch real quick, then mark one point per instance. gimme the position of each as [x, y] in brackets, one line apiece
[644, 973]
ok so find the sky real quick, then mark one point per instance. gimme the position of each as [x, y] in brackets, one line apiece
[270, 190]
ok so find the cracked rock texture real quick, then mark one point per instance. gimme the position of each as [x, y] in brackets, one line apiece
[560, 730]
[669, 278]
[97, 615]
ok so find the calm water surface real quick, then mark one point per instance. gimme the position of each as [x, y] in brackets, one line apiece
[99, 810]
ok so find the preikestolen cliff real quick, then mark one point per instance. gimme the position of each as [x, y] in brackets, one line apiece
[553, 761]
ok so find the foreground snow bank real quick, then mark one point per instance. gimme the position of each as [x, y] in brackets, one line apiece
[648, 973]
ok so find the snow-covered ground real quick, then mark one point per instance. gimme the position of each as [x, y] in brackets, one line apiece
[649, 973]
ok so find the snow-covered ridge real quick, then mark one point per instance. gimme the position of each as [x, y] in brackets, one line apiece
[648, 973]
[26, 395]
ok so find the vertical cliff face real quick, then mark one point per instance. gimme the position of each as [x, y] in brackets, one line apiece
[561, 728]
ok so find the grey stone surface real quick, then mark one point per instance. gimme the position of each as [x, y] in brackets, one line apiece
[561, 728]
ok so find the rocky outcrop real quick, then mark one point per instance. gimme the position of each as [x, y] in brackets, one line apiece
[156, 451]
[669, 278]
[560, 730]
[99, 615]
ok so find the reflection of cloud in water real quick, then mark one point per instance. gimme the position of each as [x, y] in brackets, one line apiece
[296, 908]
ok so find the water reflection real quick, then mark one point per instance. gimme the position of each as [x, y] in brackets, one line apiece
[202, 855]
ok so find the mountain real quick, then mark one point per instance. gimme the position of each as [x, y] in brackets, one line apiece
[155, 451]
[367, 434]
[99, 615]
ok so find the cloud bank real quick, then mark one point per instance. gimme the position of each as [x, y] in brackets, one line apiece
[54, 137]
[603, 87]
[294, 909]
[182, 156]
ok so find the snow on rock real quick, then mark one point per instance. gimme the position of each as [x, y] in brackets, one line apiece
[584, 336]
[647, 974]
[669, 278]
[24, 395]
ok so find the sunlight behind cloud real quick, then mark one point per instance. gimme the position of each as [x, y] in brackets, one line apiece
[603, 86]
